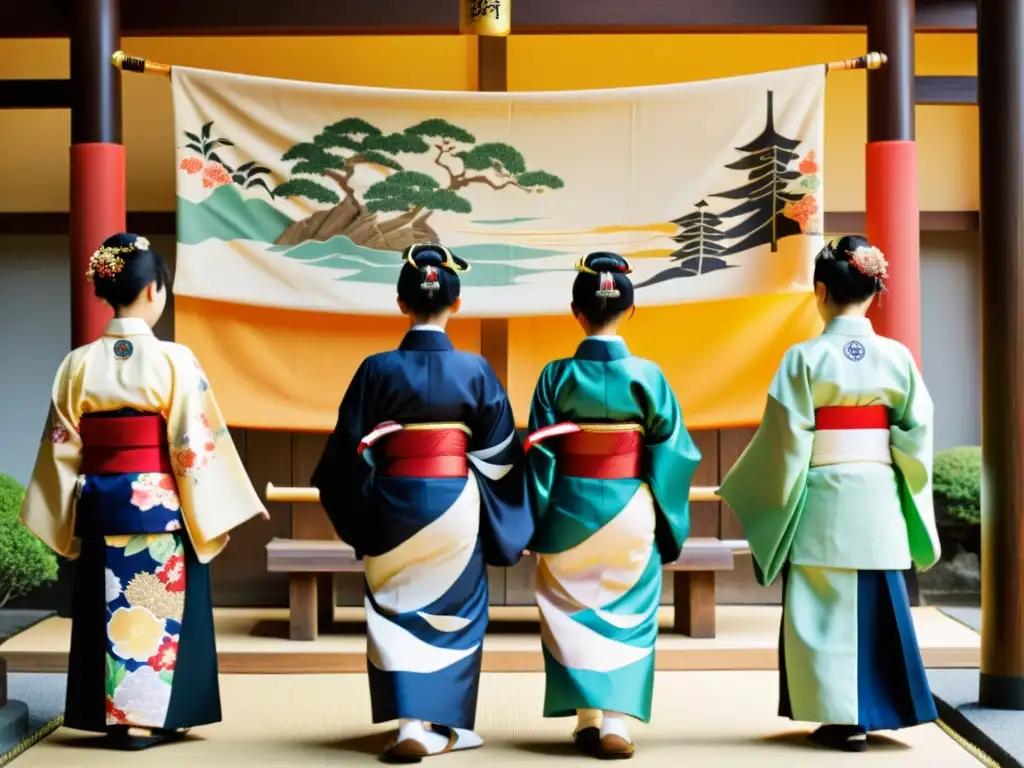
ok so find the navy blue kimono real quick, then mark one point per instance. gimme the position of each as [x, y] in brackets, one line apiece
[424, 478]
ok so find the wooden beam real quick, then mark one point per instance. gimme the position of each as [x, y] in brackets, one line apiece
[50, 18]
[35, 94]
[56, 94]
[156, 223]
[946, 90]
[148, 223]
[852, 222]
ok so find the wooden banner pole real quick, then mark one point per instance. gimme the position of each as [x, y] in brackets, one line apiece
[488, 50]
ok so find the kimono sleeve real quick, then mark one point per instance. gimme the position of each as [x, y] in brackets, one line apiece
[342, 474]
[910, 439]
[671, 458]
[496, 455]
[541, 461]
[49, 506]
[214, 489]
[767, 485]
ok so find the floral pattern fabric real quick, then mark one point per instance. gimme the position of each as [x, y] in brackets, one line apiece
[195, 449]
[145, 595]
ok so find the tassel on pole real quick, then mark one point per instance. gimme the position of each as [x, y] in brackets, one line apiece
[127, 63]
[872, 60]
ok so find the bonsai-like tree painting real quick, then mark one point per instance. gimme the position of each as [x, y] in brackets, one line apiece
[767, 193]
[699, 241]
[324, 168]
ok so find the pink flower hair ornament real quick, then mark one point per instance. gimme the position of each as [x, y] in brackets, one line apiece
[870, 262]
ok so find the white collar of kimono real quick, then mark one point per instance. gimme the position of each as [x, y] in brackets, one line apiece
[614, 337]
[128, 326]
[850, 326]
[436, 328]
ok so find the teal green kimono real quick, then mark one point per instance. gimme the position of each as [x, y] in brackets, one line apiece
[601, 542]
[840, 523]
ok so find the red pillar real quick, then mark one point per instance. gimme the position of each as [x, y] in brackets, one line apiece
[892, 215]
[97, 205]
[892, 218]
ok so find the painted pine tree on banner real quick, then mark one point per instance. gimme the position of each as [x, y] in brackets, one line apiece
[699, 241]
[767, 160]
[324, 171]
[700, 247]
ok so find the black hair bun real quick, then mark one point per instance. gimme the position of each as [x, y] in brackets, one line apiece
[123, 266]
[429, 280]
[852, 270]
[602, 289]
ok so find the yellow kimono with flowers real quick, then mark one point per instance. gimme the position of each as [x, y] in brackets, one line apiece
[142, 539]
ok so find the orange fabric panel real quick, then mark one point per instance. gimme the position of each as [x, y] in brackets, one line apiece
[281, 369]
[719, 357]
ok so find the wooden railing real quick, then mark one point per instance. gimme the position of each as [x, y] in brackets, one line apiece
[287, 495]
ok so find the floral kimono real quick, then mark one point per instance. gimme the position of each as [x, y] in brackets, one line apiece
[137, 478]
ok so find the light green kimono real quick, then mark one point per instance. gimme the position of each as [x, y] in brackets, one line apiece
[601, 543]
[831, 521]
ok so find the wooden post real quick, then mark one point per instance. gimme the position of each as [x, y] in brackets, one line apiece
[302, 606]
[97, 204]
[892, 216]
[492, 75]
[1001, 122]
[694, 603]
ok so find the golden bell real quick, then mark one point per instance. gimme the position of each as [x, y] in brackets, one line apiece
[485, 18]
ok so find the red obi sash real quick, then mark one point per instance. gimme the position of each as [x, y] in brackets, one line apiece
[425, 451]
[124, 444]
[842, 417]
[599, 452]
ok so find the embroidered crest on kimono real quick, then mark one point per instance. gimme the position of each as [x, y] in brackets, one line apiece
[123, 349]
[855, 351]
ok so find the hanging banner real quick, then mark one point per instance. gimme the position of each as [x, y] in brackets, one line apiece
[298, 197]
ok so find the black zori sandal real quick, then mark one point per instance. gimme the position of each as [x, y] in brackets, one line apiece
[588, 741]
[132, 739]
[845, 738]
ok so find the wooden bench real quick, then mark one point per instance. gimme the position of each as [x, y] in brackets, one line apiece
[312, 605]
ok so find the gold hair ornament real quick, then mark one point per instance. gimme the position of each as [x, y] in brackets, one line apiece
[449, 261]
[581, 266]
[107, 261]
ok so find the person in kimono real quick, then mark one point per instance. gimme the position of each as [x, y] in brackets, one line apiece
[834, 493]
[423, 478]
[137, 478]
[609, 467]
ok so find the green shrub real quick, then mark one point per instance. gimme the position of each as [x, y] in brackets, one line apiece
[25, 562]
[957, 482]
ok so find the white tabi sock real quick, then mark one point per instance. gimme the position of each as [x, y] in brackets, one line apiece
[435, 742]
[587, 718]
[614, 724]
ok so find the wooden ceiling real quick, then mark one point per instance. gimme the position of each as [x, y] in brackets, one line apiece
[51, 18]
